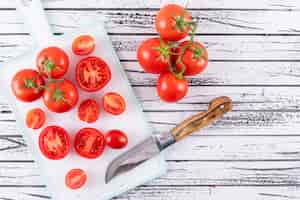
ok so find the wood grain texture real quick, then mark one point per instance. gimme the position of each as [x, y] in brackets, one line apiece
[253, 48]
[195, 148]
[252, 153]
[217, 108]
[204, 4]
[167, 192]
[199, 173]
[241, 22]
[256, 111]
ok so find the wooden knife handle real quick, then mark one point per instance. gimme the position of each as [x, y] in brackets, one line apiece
[216, 109]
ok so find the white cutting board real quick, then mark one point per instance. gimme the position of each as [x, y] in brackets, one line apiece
[132, 121]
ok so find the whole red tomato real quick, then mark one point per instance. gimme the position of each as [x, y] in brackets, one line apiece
[27, 85]
[194, 57]
[53, 62]
[172, 22]
[60, 96]
[170, 88]
[116, 139]
[92, 74]
[153, 55]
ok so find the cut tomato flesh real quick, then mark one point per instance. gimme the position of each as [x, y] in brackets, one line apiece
[89, 143]
[54, 142]
[92, 74]
[114, 103]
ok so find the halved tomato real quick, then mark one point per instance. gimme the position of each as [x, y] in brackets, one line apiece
[54, 142]
[75, 178]
[92, 74]
[114, 103]
[88, 111]
[89, 143]
[83, 45]
[35, 118]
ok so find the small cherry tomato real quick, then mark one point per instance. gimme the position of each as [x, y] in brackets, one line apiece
[194, 58]
[83, 45]
[113, 103]
[60, 96]
[75, 178]
[54, 142]
[153, 55]
[27, 85]
[35, 118]
[88, 111]
[92, 74]
[116, 139]
[171, 88]
[89, 143]
[172, 22]
[53, 62]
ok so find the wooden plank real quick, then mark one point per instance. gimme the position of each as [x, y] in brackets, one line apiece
[198, 98]
[256, 110]
[228, 73]
[197, 148]
[204, 4]
[167, 192]
[235, 123]
[189, 173]
[224, 48]
[220, 48]
[138, 21]
[195, 192]
[26, 193]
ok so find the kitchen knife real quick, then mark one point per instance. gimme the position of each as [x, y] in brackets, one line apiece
[153, 145]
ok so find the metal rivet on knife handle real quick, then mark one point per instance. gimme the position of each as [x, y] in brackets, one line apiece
[216, 109]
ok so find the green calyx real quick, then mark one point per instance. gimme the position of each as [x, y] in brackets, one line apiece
[58, 95]
[164, 50]
[48, 66]
[197, 52]
[30, 83]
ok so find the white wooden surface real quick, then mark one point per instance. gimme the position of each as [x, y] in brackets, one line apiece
[253, 153]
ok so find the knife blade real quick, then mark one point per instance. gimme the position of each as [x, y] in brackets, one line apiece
[153, 145]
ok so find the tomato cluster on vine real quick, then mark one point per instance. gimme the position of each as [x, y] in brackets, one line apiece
[171, 56]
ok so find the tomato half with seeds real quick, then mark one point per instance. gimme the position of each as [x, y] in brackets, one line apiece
[92, 74]
[114, 103]
[83, 45]
[53, 62]
[60, 96]
[54, 142]
[75, 178]
[89, 111]
[89, 143]
[35, 118]
[27, 85]
[173, 22]
[116, 139]
[194, 58]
